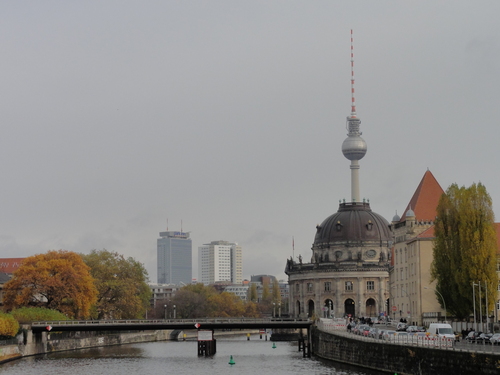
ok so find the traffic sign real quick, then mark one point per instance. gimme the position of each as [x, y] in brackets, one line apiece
[197, 325]
[394, 308]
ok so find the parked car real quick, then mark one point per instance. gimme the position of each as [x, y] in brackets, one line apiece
[411, 329]
[472, 336]
[495, 339]
[374, 333]
[401, 327]
[364, 330]
[484, 338]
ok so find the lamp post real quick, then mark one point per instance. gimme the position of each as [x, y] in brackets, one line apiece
[174, 311]
[165, 312]
[444, 303]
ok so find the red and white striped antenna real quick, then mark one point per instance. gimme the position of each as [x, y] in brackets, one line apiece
[353, 103]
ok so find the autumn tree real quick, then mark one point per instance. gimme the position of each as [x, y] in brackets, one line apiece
[200, 301]
[58, 280]
[276, 292]
[8, 325]
[252, 293]
[123, 292]
[465, 248]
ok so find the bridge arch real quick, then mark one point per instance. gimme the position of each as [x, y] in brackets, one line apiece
[297, 311]
[349, 307]
[371, 307]
[310, 308]
[328, 308]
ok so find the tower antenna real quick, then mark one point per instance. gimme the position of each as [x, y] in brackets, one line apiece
[167, 224]
[353, 99]
[354, 147]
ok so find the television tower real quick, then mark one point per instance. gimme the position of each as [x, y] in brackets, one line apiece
[354, 147]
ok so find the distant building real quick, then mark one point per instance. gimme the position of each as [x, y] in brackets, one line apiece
[174, 258]
[7, 268]
[220, 261]
[240, 291]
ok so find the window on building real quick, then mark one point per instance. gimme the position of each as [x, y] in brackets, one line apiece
[309, 287]
[370, 285]
[348, 286]
[328, 286]
[297, 287]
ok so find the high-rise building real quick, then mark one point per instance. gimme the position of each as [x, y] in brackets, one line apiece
[174, 258]
[220, 261]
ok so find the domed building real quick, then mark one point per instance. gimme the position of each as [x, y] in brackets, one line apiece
[348, 274]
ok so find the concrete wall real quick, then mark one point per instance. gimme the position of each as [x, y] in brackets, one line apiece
[401, 359]
[48, 342]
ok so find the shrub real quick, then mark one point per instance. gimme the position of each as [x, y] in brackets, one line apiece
[8, 325]
[36, 314]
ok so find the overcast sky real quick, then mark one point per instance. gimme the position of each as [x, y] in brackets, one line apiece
[230, 115]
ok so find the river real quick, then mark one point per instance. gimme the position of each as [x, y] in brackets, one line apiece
[254, 357]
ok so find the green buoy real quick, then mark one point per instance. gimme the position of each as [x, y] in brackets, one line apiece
[274, 345]
[231, 361]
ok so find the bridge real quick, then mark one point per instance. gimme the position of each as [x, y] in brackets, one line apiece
[173, 324]
[206, 342]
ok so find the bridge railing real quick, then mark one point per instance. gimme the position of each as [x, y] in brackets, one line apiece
[165, 321]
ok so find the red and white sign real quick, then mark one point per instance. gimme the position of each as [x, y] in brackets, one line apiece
[197, 325]
[394, 308]
[49, 328]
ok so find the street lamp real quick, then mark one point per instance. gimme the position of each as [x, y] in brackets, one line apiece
[174, 311]
[165, 312]
[444, 303]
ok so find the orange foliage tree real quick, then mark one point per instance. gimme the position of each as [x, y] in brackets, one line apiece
[58, 280]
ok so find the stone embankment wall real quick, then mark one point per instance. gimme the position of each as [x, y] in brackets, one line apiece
[402, 359]
[48, 342]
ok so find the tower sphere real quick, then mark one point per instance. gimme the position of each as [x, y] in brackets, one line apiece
[354, 148]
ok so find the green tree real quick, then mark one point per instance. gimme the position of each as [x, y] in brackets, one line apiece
[58, 280]
[465, 248]
[123, 292]
[36, 314]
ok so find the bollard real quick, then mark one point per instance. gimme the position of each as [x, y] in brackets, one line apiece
[248, 337]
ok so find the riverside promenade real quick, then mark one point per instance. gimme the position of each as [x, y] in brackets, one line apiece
[404, 357]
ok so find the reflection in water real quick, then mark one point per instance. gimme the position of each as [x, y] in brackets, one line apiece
[252, 357]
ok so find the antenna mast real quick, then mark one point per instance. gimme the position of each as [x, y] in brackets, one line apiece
[353, 99]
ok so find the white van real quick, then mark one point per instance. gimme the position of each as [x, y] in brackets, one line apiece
[441, 330]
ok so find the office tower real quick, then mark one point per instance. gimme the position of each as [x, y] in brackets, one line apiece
[174, 258]
[220, 261]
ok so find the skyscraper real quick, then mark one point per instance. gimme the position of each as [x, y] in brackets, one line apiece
[174, 258]
[220, 261]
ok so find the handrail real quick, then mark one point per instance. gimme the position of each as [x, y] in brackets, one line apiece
[169, 321]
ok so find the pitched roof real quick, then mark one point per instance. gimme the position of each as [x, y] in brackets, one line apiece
[9, 265]
[425, 199]
[428, 233]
